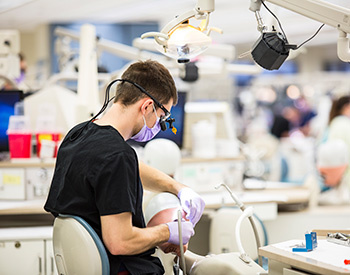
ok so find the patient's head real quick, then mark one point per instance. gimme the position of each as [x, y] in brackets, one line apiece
[163, 208]
[332, 161]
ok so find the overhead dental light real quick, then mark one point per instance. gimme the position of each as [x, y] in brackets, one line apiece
[182, 41]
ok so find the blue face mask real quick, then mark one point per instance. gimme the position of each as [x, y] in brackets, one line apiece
[147, 133]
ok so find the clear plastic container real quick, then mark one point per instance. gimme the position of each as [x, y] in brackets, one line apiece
[46, 130]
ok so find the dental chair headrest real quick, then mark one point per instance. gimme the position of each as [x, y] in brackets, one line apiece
[160, 203]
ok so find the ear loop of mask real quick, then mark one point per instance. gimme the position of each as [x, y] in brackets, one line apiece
[155, 112]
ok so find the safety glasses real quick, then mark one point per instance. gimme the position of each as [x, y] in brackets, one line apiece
[166, 119]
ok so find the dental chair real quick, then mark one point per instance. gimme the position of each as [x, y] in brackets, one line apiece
[77, 248]
[164, 207]
[222, 233]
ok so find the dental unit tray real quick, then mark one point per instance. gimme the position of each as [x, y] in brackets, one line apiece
[339, 238]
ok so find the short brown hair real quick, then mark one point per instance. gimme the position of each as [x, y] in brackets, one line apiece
[150, 75]
[337, 107]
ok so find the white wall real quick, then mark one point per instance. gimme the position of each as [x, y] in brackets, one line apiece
[35, 46]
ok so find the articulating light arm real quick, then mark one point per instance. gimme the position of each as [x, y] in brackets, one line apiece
[321, 11]
[255, 6]
[327, 13]
[324, 12]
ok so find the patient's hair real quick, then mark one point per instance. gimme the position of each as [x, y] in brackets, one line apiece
[337, 107]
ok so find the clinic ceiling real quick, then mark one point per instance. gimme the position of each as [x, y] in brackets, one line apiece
[232, 16]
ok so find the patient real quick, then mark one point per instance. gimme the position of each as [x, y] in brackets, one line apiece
[332, 164]
[163, 208]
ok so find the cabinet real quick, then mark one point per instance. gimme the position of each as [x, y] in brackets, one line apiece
[27, 250]
[203, 175]
[50, 258]
[25, 180]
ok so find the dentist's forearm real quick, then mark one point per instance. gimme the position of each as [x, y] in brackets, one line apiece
[155, 180]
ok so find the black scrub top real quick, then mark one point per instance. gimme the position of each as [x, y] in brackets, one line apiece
[97, 174]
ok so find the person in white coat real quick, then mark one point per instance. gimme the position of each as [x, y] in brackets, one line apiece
[338, 131]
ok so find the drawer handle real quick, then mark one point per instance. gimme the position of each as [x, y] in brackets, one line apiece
[17, 244]
[40, 263]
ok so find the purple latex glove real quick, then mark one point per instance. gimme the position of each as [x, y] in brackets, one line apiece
[187, 232]
[192, 203]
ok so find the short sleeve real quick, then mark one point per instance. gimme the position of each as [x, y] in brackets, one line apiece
[115, 184]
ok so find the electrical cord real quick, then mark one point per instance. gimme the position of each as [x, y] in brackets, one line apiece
[310, 37]
[278, 21]
[284, 34]
[76, 134]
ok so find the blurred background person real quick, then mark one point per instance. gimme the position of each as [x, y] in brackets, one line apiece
[23, 69]
[339, 120]
[285, 122]
[332, 164]
[333, 155]
[18, 82]
[291, 126]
